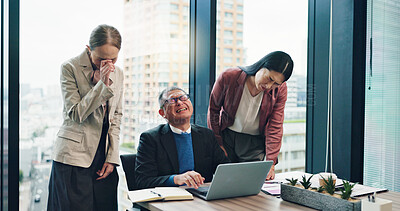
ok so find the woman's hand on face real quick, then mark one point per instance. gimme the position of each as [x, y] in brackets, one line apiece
[106, 67]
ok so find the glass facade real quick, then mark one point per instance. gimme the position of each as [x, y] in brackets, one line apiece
[246, 33]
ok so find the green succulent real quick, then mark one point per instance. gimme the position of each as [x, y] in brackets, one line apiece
[347, 189]
[320, 189]
[329, 185]
[306, 182]
[292, 181]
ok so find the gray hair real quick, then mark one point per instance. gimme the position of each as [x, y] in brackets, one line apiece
[163, 95]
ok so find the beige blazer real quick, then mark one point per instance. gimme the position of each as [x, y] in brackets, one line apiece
[79, 135]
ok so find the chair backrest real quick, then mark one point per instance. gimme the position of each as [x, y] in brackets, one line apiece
[128, 164]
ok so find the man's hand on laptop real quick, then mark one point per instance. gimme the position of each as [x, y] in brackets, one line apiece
[190, 178]
[271, 173]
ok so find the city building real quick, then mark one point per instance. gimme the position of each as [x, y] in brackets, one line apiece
[156, 54]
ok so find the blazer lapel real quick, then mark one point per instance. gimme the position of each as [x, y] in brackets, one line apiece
[87, 69]
[168, 142]
[112, 86]
[239, 87]
[197, 146]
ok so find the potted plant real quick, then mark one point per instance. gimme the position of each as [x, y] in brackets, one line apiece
[306, 183]
[322, 198]
[292, 181]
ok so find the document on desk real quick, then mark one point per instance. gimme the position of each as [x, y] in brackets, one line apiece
[272, 189]
[159, 193]
[361, 190]
[281, 178]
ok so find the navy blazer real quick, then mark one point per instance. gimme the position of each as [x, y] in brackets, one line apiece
[157, 156]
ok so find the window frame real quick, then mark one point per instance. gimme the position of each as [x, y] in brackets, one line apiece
[349, 137]
[10, 85]
[348, 82]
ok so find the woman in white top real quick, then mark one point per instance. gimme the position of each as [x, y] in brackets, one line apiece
[246, 109]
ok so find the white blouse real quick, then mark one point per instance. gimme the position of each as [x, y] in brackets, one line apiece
[247, 118]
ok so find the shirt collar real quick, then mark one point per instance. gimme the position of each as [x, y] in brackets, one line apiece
[179, 131]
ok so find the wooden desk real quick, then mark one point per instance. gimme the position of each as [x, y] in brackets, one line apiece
[261, 201]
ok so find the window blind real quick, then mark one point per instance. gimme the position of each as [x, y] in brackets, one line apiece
[382, 95]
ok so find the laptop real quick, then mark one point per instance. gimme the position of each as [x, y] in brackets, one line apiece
[235, 179]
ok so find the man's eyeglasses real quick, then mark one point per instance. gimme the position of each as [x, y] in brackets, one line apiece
[175, 99]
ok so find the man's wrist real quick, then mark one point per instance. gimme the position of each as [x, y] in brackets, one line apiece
[175, 178]
[170, 181]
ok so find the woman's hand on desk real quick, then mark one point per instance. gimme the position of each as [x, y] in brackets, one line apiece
[190, 178]
[271, 173]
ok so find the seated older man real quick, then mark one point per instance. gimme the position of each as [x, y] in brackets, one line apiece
[178, 152]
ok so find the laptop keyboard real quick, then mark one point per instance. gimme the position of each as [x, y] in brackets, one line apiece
[201, 190]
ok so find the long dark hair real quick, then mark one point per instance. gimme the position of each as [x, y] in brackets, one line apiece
[277, 61]
[104, 34]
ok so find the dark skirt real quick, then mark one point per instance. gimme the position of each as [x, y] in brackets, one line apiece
[76, 188]
[242, 147]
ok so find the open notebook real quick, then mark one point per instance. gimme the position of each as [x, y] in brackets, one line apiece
[159, 193]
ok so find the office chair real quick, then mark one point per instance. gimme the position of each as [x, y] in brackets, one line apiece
[128, 164]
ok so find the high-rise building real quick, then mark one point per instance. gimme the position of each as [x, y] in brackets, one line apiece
[156, 54]
[291, 92]
[229, 51]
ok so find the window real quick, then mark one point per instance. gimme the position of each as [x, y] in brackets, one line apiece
[228, 42]
[228, 6]
[174, 17]
[228, 33]
[228, 50]
[174, 7]
[228, 23]
[239, 17]
[147, 55]
[175, 66]
[239, 8]
[227, 59]
[249, 44]
[174, 27]
[228, 15]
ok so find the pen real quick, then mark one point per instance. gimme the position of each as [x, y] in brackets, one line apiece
[271, 182]
[156, 193]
